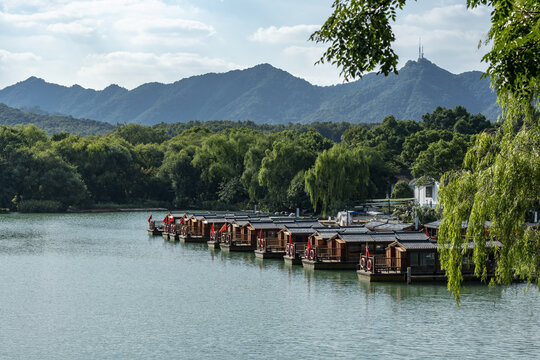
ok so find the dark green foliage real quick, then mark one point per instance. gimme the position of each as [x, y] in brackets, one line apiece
[233, 168]
[402, 190]
[53, 123]
[426, 214]
[457, 120]
[232, 192]
[441, 156]
[339, 177]
[40, 206]
[297, 197]
[329, 130]
[137, 134]
[415, 143]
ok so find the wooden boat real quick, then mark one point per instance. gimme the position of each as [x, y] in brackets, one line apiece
[294, 239]
[154, 229]
[335, 249]
[413, 257]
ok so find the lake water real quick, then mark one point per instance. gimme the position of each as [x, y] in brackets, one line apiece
[96, 286]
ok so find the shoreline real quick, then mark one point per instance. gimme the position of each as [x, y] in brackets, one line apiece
[102, 210]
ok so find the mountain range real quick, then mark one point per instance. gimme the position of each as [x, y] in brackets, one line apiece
[265, 94]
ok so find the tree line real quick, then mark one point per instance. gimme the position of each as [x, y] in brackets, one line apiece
[225, 166]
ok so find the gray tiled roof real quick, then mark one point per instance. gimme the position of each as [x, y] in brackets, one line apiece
[411, 236]
[265, 225]
[393, 227]
[300, 230]
[418, 245]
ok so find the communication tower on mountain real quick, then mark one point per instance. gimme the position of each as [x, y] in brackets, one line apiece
[420, 49]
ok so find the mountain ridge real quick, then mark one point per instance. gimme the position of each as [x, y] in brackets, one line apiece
[53, 123]
[264, 94]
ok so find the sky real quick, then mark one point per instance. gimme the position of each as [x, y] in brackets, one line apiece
[95, 43]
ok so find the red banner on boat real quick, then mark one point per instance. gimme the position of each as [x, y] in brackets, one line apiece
[212, 230]
[223, 228]
[367, 251]
[290, 239]
[171, 220]
[260, 234]
[182, 221]
[164, 220]
[150, 218]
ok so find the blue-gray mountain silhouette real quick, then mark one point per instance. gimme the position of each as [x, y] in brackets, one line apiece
[265, 94]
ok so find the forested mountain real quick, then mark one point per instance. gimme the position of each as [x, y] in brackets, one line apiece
[265, 94]
[53, 123]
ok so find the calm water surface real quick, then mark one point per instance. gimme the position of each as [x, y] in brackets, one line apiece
[95, 286]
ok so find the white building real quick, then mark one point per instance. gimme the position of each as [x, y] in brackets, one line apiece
[426, 194]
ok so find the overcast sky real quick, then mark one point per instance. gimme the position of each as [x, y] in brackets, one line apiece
[131, 42]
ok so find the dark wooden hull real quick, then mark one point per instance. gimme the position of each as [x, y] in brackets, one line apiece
[386, 277]
[262, 254]
[292, 260]
[192, 239]
[328, 265]
[415, 278]
[235, 247]
[213, 244]
[154, 232]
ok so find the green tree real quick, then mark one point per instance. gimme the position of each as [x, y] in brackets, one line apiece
[502, 171]
[441, 156]
[183, 178]
[340, 175]
[402, 190]
[252, 166]
[137, 134]
[456, 119]
[355, 134]
[42, 175]
[419, 141]
[297, 197]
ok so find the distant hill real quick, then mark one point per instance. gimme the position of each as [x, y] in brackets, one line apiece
[265, 94]
[53, 123]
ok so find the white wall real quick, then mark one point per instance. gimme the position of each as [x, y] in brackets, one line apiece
[421, 198]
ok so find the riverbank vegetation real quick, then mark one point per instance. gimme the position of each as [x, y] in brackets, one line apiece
[226, 166]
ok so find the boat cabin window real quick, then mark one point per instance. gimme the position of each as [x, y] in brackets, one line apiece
[422, 259]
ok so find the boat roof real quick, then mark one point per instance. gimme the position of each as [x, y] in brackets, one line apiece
[418, 244]
[370, 237]
[411, 236]
[265, 225]
[299, 230]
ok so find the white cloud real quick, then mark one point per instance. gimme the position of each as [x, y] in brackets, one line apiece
[7, 56]
[135, 68]
[283, 34]
[71, 28]
[17, 66]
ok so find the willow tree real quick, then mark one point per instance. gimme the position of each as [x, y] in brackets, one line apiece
[340, 174]
[500, 180]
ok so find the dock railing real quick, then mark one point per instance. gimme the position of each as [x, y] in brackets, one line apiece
[380, 264]
[295, 249]
[228, 238]
[269, 244]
